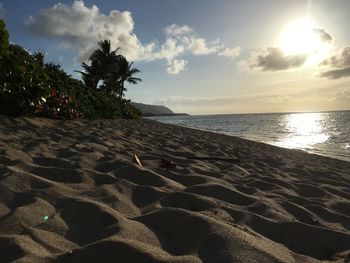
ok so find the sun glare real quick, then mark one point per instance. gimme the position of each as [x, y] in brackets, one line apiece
[301, 37]
[303, 130]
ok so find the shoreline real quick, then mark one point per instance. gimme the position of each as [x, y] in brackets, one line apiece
[338, 155]
[254, 141]
[275, 205]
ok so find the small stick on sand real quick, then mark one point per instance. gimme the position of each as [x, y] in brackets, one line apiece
[136, 160]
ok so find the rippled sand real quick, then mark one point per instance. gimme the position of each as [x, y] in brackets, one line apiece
[69, 192]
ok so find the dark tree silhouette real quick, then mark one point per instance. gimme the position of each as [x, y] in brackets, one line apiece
[105, 56]
[4, 39]
[39, 58]
[108, 71]
[90, 75]
[126, 74]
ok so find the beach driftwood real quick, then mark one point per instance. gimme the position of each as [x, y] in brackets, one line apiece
[215, 158]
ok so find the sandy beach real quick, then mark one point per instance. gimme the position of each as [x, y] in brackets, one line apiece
[70, 192]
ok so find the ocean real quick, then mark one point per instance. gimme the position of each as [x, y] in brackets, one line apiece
[323, 133]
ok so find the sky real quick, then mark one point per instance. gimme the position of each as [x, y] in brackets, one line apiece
[203, 56]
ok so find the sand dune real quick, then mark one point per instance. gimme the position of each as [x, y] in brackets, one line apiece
[69, 192]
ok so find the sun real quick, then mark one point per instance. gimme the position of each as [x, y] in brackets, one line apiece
[302, 37]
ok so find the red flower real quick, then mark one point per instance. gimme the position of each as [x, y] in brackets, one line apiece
[53, 93]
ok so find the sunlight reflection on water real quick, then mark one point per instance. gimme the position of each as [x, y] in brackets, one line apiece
[325, 133]
[303, 130]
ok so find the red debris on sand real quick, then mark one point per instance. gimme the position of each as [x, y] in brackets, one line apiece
[164, 163]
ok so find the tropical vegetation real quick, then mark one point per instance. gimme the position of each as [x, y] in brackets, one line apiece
[108, 71]
[29, 86]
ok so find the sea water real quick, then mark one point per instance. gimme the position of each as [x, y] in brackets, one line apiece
[324, 133]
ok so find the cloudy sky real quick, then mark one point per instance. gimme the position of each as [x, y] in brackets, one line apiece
[203, 56]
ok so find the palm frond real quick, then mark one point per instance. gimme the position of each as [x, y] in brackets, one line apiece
[134, 71]
[134, 80]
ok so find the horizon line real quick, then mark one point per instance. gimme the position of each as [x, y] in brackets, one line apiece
[251, 113]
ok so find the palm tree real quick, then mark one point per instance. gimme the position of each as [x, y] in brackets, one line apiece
[90, 75]
[126, 74]
[39, 58]
[112, 69]
[104, 54]
[102, 61]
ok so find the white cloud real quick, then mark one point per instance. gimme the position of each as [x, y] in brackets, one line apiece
[199, 47]
[231, 52]
[170, 49]
[272, 59]
[275, 99]
[176, 66]
[323, 35]
[80, 27]
[184, 38]
[181, 40]
[336, 73]
[338, 65]
[343, 96]
[340, 60]
[175, 30]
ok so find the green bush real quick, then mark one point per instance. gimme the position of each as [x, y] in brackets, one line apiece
[28, 86]
[129, 111]
[22, 83]
[58, 105]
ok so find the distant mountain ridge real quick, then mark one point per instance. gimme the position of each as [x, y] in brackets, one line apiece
[154, 110]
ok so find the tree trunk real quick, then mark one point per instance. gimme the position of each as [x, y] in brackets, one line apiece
[121, 91]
